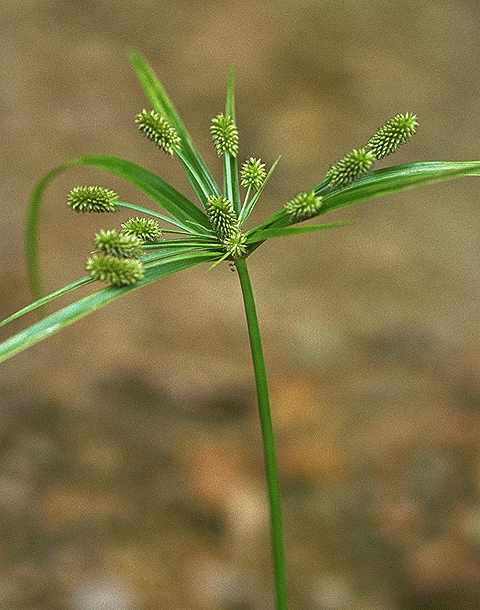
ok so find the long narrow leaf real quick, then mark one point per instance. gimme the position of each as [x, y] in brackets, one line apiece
[157, 189]
[232, 187]
[197, 171]
[49, 298]
[263, 234]
[386, 181]
[71, 313]
[398, 178]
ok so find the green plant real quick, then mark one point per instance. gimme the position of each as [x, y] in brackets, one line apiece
[138, 253]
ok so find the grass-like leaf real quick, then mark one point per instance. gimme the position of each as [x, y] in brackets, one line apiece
[181, 208]
[198, 174]
[263, 234]
[71, 313]
[49, 298]
[232, 187]
[382, 182]
[398, 178]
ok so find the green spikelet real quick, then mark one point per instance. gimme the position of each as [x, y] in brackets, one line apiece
[397, 131]
[146, 229]
[115, 271]
[222, 216]
[353, 165]
[157, 129]
[224, 135]
[303, 206]
[96, 199]
[112, 242]
[236, 244]
[253, 173]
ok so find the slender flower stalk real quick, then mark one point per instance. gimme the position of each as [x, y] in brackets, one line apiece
[268, 437]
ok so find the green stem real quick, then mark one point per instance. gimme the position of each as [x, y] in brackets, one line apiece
[271, 468]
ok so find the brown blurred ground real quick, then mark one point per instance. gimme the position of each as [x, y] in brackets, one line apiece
[130, 464]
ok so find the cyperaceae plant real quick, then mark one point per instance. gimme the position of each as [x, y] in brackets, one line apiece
[153, 244]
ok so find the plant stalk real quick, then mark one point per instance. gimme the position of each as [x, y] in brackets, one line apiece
[269, 452]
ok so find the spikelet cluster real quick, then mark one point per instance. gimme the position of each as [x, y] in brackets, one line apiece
[222, 216]
[303, 206]
[157, 129]
[115, 271]
[110, 241]
[353, 165]
[95, 199]
[224, 135]
[396, 131]
[253, 173]
[236, 244]
[146, 229]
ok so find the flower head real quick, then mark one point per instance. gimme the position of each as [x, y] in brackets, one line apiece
[96, 199]
[396, 131]
[353, 165]
[146, 229]
[222, 216]
[303, 206]
[110, 241]
[253, 173]
[224, 135]
[115, 271]
[156, 128]
[236, 244]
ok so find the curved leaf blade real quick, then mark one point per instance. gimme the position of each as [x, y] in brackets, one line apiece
[157, 189]
[76, 311]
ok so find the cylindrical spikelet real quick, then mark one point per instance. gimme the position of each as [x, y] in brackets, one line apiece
[224, 135]
[236, 244]
[303, 206]
[353, 165]
[110, 241]
[146, 229]
[396, 131]
[115, 271]
[157, 129]
[96, 199]
[222, 216]
[253, 173]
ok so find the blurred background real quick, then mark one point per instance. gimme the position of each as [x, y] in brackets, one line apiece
[131, 474]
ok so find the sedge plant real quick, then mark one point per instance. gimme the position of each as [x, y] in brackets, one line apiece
[153, 243]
